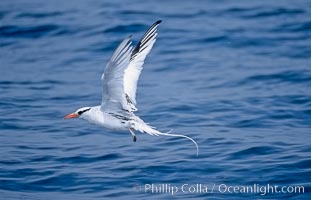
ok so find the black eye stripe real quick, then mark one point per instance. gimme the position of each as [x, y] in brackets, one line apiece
[82, 111]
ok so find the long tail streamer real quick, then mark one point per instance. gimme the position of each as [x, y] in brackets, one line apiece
[144, 127]
[180, 135]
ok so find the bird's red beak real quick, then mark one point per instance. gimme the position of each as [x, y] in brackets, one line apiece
[71, 115]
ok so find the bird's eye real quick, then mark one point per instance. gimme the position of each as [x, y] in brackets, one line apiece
[82, 111]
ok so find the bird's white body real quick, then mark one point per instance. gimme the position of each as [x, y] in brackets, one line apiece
[119, 80]
[115, 121]
[96, 116]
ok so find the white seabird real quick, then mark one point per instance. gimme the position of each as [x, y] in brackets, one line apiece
[119, 82]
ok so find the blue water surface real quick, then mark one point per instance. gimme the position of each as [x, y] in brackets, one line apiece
[234, 75]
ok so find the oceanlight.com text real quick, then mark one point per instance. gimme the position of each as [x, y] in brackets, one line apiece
[174, 189]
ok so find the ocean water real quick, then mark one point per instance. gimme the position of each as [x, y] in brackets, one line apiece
[234, 75]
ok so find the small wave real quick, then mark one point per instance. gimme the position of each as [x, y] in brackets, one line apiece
[39, 15]
[273, 12]
[131, 28]
[87, 159]
[54, 182]
[213, 39]
[13, 31]
[17, 82]
[255, 151]
[294, 27]
[285, 76]
[136, 12]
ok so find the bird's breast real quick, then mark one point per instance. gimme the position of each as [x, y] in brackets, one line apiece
[115, 122]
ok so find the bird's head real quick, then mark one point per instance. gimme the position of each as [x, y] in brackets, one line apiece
[80, 113]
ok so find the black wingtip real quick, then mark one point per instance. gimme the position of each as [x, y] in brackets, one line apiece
[158, 22]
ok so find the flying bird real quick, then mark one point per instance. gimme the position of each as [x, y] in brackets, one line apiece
[119, 84]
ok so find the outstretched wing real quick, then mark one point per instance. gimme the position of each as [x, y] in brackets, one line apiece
[113, 96]
[138, 56]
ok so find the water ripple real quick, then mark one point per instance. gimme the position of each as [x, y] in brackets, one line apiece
[11, 31]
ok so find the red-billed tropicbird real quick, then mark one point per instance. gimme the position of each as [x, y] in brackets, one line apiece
[119, 82]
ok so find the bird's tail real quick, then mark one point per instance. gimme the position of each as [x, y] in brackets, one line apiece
[145, 128]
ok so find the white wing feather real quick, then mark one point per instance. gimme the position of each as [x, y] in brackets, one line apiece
[132, 72]
[123, 70]
[113, 96]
